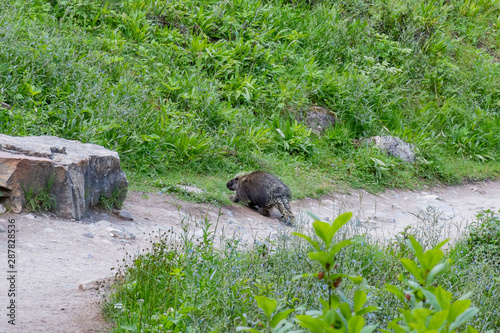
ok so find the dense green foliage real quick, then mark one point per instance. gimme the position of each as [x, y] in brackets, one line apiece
[216, 87]
[194, 287]
[485, 236]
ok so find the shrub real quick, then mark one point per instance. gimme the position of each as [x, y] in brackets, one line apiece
[484, 235]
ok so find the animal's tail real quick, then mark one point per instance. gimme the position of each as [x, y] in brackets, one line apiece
[284, 207]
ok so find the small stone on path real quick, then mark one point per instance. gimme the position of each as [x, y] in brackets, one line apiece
[124, 214]
[122, 234]
[190, 189]
[94, 283]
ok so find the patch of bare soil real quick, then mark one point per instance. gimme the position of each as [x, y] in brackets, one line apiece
[55, 256]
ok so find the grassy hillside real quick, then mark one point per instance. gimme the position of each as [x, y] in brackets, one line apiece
[196, 90]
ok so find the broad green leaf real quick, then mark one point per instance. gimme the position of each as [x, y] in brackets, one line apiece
[268, 305]
[434, 271]
[305, 275]
[314, 313]
[369, 329]
[394, 324]
[246, 329]
[414, 284]
[345, 310]
[416, 247]
[315, 218]
[337, 247]
[430, 259]
[309, 239]
[420, 317]
[412, 267]
[322, 258]
[443, 297]
[356, 323]
[330, 316]
[465, 296]
[340, 221]
[314, 324]
[280, 316]
[431, 298]
[395, 291]
[366, 310]
[282, 327]
[457, 308]
[471, 329]
[325, 305]
[464, 317]
[359, 300]
[440, 245]
[342, 297]
[438, 319]
[324, 231]
[354, 278]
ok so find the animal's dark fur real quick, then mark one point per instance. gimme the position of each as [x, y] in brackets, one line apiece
[264, 190]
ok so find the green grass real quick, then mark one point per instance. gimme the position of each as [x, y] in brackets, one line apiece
[211, 88]
[41, 199]
[208, 284]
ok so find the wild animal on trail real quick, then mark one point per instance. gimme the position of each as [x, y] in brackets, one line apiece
[263, 190]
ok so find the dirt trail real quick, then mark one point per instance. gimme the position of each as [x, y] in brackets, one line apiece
[54, 256]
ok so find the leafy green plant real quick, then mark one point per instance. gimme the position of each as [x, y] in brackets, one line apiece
[185, 147]
[293, 137]
[335, 316]
[484, 235]
[114, 201]
[427, 306]
[41, 200]
[472, 143]
[274, 322]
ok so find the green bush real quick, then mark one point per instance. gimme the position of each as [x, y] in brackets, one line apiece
[484, 235]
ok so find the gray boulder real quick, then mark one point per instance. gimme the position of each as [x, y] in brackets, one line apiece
[393, 146]
[80, 172]
[318, 119]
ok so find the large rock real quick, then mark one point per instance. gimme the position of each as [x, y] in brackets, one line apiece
[318, 118]
[81, 173]
[393, 146]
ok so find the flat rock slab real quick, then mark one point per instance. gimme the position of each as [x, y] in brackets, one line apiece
[81, 173]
